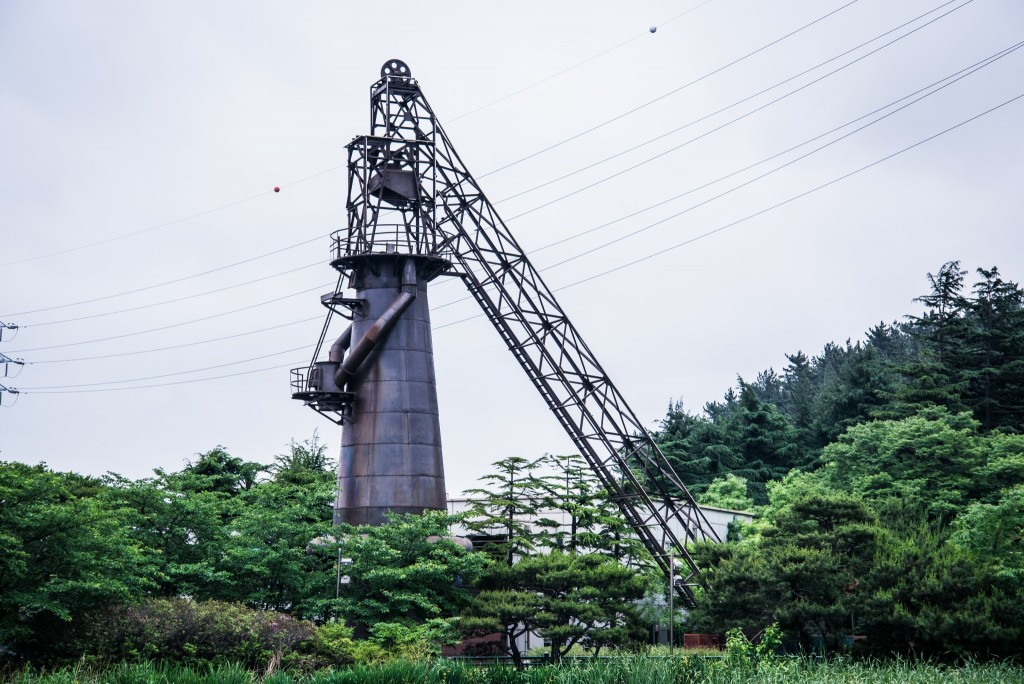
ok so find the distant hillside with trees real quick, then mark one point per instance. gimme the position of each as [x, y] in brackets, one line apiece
[888, 477]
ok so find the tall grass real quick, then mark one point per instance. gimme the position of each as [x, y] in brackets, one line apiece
[620, 670]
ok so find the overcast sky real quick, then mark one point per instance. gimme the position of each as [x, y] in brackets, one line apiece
[141, 142]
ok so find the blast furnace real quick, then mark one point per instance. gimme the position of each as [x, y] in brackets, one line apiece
[378, 379]
[415, 213]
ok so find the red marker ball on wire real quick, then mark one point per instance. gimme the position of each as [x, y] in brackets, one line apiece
[277, 189]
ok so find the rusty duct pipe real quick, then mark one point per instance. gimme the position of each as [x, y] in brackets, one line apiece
[379, 330]
[337, 352]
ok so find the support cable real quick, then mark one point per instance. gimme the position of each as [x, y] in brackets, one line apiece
[927, 91]
[933, 88]
[88, 301]
[176, 325]
[577, 64]
[178, 299]
[28, 390]
[672, 92]
[715, 113]
[762, 211]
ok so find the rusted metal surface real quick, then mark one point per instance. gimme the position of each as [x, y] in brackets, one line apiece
[391, 447]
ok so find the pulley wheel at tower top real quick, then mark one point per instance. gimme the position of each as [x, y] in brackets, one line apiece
[395, 67]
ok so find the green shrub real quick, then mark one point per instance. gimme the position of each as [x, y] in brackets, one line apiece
[179, 630]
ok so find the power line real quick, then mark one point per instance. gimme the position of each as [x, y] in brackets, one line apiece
[630, 263]
[795, 197]
[13, 391]
[486, 174]
[927, 91]
[177, 325]
[763, 211]
[206, 212]
[179, 299]
[28, 390]
[333, 168]
[171, 282]
[8, 326]
[168, 384]
[178, 346]
[576, 65]
[514, 217]
[669, 93]
[985, 63]
[589, 166]
[6, 361]
[726, 108]
[960, 75]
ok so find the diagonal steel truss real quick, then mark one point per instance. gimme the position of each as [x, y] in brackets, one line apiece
[453, 220]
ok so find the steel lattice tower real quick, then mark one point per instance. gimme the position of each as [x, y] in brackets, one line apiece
[414, 212]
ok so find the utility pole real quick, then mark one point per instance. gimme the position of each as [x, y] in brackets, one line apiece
[7, 362]
[671, 604]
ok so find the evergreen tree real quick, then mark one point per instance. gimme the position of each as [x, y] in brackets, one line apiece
[507, 508]
[764, 439]
[589, 599]
[798, 395]
[590, 521]
[935, 377]
[696, 447]
[994, 363]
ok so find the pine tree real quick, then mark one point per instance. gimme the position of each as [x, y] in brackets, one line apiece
[936, 377]
[764, 439]
[508, 506]
[994, 363]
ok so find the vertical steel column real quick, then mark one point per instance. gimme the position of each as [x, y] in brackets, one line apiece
[391, 446]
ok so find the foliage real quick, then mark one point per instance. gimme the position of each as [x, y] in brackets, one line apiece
[923, 594]
[64, 550]
[502, 509]
[964, 353]
[934, 461]
[637, 669]
[405, 572]
[218, 471]
[222, 536]
[551, 503]
[728, 492]
[822, 563]
[595, 524]
[268, 554]
[804, 571]
[184, 631]
[306, 463]
[568, 599]
[992, 533]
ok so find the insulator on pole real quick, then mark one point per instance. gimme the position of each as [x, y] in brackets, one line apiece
[10, 390]
[7, 362]
[6, 326]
